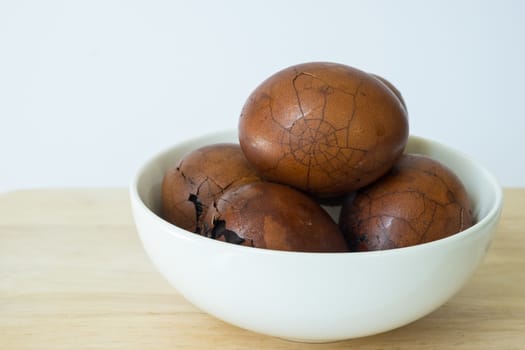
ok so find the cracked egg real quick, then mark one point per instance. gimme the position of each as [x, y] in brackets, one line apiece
[418, 201]
[324, 128]
[200, 177]
[273, 216]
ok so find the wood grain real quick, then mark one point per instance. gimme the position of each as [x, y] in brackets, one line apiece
[73, 275]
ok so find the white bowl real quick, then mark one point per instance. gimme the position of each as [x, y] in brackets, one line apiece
[315, 297]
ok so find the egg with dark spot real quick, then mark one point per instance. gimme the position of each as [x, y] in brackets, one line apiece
[324, 128]
[273, 216]
[420, 200]
[200, 177]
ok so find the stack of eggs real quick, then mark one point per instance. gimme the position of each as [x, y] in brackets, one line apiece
[312, 134]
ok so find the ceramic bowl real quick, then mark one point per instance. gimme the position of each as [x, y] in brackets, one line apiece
[315, 297]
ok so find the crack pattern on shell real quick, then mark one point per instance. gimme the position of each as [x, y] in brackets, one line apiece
[325, 130]
[419, 201]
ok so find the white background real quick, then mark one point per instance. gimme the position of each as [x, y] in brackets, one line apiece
[90, 89]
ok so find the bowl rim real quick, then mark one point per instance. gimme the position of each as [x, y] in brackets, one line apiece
[173, 230]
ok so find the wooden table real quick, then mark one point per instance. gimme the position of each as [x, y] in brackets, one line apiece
[73, 275]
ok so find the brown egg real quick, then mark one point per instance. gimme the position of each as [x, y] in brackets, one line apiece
[324, 128]
[273, 216]
[392, 88]
[201, 176]
[419, 200]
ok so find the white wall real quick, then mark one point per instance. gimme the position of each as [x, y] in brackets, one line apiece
[89, 89]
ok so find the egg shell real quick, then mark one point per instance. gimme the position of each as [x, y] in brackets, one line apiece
[322, 127]
[273, 216]
[420, 200]
[201, 176]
